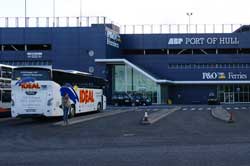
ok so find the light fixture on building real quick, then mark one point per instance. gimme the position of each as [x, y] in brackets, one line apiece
[91, 53]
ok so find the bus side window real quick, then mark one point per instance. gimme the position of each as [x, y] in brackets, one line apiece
[6, 96]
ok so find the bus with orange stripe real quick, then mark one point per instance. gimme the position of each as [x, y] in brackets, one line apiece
[37, 91]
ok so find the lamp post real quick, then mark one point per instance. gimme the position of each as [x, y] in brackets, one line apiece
[189, 14]
[54, 13]
[25, 14]
[80, 12]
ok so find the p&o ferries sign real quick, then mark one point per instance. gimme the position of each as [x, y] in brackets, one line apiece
[224, 76]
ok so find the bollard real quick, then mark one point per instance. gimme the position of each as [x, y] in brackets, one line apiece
[231, 118]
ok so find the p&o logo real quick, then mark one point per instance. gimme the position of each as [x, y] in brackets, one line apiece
[213, 76]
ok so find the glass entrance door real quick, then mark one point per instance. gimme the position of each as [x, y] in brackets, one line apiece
[229, 97]
[236, 93]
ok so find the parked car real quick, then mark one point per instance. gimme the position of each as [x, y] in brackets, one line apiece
[140, 99]
[212, 99]
[130, 99]
[122, 98]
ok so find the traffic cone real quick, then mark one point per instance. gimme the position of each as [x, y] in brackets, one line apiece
[231, 118]
[145, 119]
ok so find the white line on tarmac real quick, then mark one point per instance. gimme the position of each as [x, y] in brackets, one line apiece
[209, 108]
[5, 119]
[90, 117]
[243, 108]
[184, 109]
[154, 117]
[192, 109]
[200, 109]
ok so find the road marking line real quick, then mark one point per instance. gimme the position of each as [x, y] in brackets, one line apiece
[236, 108]
[184, 109]
[192, 109]
[244, 108]
[228, 108]
[209, 108]
[200, 109]
[5, 119]
[90, 117]
[156, 116]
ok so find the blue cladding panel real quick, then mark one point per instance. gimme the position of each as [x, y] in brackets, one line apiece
[158, 65]
[190, 94]
[70, 46]
[156, 41]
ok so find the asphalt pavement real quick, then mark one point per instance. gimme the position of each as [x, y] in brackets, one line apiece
[191, 137]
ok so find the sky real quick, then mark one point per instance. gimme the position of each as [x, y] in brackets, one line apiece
[136, 11]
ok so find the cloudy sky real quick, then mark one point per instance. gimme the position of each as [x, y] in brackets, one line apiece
[137, 11]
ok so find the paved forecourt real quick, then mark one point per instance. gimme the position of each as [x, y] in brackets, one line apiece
[85, 118]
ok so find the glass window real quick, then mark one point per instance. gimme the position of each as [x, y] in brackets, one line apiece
[127, 79]
[6, 72]
[36, 73]
[6, 96]
[119, 78]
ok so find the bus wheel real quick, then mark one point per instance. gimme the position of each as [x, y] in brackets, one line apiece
[72, 112]
[99, 108]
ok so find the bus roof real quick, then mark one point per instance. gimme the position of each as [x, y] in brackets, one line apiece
[78, 73]
[39, 67]
[72, 71]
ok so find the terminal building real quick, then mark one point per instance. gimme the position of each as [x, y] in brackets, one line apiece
[168, 65]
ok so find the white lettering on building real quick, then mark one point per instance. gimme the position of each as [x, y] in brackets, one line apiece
[209, 76]
[238, 76]
[175, 41]
[113, 38]
[202, 40]
[223, 76]
[195, 41]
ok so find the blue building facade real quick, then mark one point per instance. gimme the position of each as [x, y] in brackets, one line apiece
[181, 68]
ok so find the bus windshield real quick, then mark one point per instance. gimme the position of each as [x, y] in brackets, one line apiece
[36, 73]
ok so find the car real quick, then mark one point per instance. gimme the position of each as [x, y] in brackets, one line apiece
[122, 98]
[212, 99]
[140, 99]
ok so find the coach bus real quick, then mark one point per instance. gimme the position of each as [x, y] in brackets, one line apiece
[37, 91]
[5, 89]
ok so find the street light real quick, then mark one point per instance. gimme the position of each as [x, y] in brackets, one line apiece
[189, 14]
[80, 13]
[54, 13]
[25, 14]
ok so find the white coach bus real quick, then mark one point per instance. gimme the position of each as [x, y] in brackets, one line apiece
[36, 91]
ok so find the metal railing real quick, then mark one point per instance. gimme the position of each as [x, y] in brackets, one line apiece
[9, 22]
[178, 28]
[14, 22]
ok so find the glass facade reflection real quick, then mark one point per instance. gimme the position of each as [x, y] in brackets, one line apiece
[127, 79]
[237, 93]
